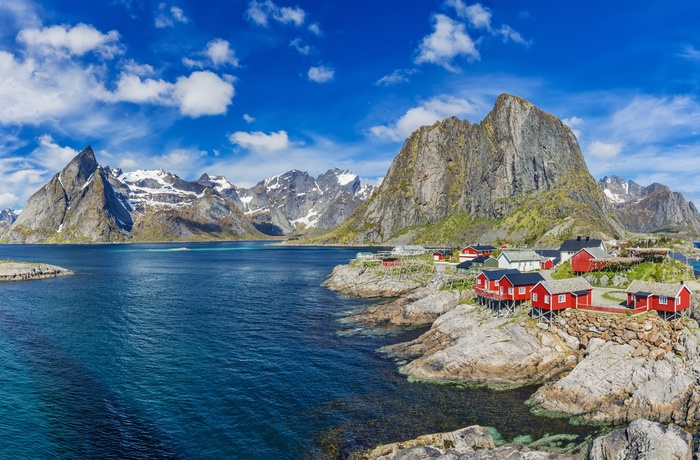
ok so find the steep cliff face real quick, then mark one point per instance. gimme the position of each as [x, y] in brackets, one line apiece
[296, 202]
[650, 209]
[517, 160]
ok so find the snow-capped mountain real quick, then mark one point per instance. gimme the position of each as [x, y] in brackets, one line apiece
[86, 202]
[7, 217]
[649, 209]
[296, 202]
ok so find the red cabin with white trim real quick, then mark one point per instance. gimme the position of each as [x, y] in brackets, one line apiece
[556, 295]
[670, 298]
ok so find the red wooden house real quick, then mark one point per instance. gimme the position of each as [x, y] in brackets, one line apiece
[439, 255]
[516, 287]
[391, 262]
[470, 252]
[488, 279]
[556, 295]
[547, 264]
[589, 259]
[669, 298]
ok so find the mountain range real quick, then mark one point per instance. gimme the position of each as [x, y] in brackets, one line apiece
[516, 177]
[87, 203]
[654, 208]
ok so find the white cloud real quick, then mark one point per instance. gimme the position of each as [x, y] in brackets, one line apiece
[77, 40]
[315, 29]
[132, 67]
[320, 74]
[260, 141]
[448, 40]
[8, 200]
[131, 88]
[395, 77]
[427, 113]
[220, 53]
[261, 12]
[248, 118]
[479, 16]
[653, 119]
[51, 156]
[33, 91]
[299, 45]
[190, 63]
[287, 15]
[508, 33]
[203, 93]
[690, 53]
[605, 150]
[166, 17]
[573, 123]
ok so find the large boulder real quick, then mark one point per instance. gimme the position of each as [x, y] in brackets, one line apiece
[644, 440]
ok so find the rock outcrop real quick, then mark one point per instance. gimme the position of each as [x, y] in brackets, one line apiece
[296, 202]
[650, 209]
[516, 175]
[644, 440]
[19, 271]
[358, 280]
[470, 344]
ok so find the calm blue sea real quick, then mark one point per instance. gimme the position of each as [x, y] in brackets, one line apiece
[229, 350]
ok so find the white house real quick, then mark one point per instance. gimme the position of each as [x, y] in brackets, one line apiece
[525, 260]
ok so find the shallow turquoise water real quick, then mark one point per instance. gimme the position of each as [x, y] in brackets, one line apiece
[228, 350]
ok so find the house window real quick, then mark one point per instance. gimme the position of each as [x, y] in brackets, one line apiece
[663, 300]
[678, 300]
[562, 298]
[521, 290]
[500, 289]
[481, 282]
[510, 291]
[534, 297]
[546, 299]
[496, 284]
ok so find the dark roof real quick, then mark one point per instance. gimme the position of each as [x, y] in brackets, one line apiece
[480, 259]
[466, 264]
[554, 254]
[524, 279]
[580, 293]
[442, 253]
[498, 274]
[576, 245]
[642, 294]
[482, 247]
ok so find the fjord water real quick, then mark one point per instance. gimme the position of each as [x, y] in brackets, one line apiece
[227, 350]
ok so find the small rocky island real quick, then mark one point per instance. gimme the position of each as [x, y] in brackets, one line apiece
[17, 271]
[641, 371]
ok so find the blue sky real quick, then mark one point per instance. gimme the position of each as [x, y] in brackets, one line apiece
[250, 89]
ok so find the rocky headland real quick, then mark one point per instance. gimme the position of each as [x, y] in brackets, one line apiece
[17, 271]
[597, 368]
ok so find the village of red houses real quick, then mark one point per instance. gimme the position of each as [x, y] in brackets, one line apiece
[517, 276]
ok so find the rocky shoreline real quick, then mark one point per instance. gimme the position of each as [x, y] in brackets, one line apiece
[19, 271]
[596, 368]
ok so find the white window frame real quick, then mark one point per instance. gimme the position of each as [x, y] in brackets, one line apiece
[510, 291]
[663, 300]
[534, 297]
[521, 290]
[562, 298]
[546, 299]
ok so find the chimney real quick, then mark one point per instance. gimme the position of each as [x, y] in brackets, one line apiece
[588, 238]
[578, 238]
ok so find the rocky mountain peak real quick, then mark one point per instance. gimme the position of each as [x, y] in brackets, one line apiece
[482, 172]
[79, 170]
